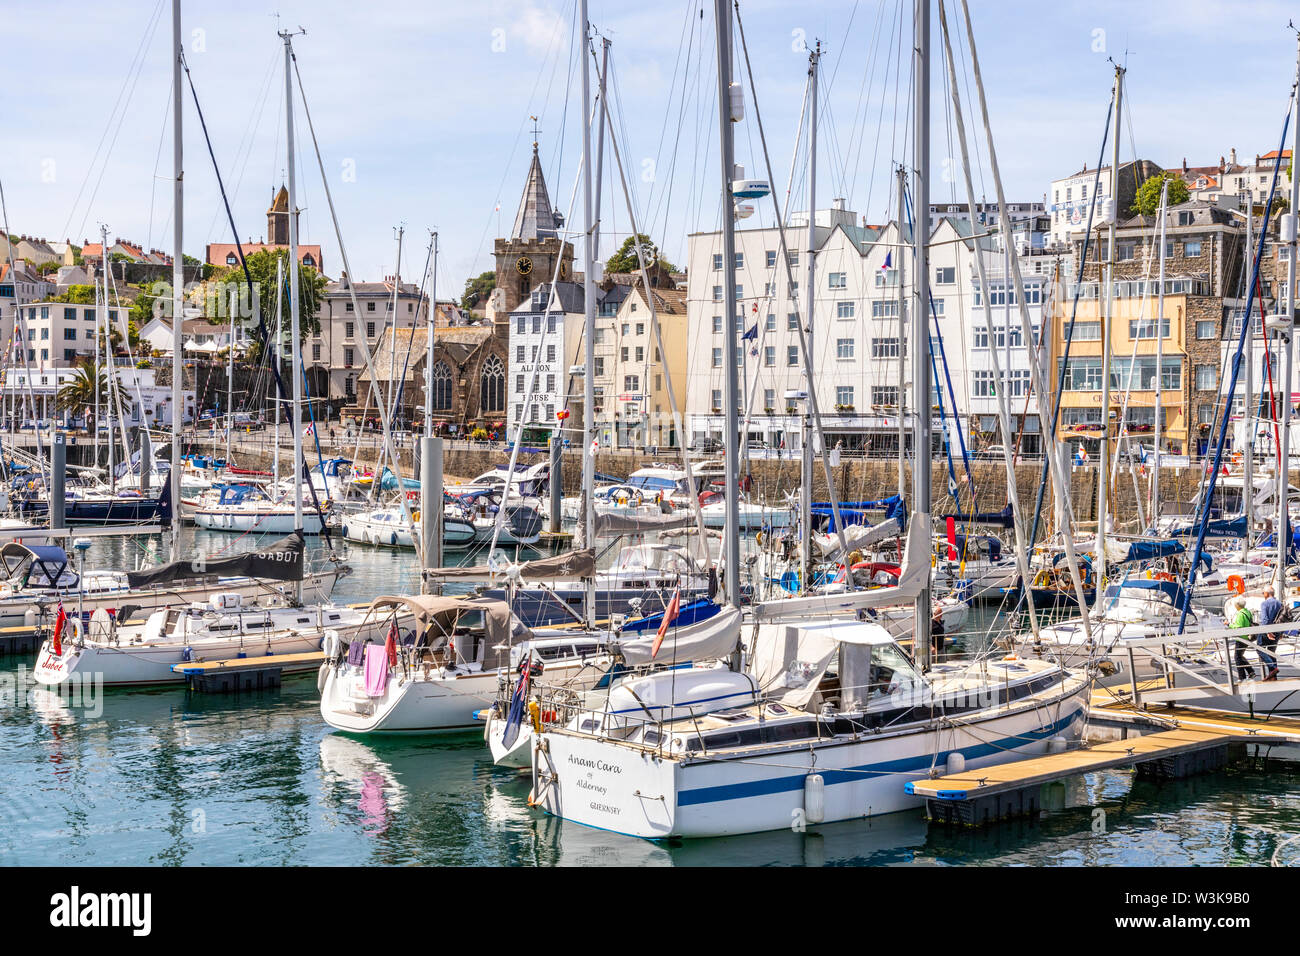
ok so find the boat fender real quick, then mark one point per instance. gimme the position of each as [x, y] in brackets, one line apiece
[956, 763]
[320, 677]
[535, 713]
[345, 531]
[392, 539]
[814, 798]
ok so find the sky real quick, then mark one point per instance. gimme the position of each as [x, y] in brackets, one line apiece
[423, 111]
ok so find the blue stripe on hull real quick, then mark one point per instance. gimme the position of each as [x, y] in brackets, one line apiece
[755, 788]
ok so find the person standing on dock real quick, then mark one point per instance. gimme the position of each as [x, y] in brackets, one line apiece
[1239, 616]
[1269, 613]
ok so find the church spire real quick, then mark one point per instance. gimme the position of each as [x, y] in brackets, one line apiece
[536, 218]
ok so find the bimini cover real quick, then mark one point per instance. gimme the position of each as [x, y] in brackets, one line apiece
[438, 617]
[572, 564]
[615, 523]
[39, 565]
[279, 561]
[789, 660]
[711, 639]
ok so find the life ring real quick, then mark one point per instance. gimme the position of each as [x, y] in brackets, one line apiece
[1166, 576]
[1236, 584]
[759, 539]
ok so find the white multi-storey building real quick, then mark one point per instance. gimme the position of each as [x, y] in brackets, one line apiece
[545, 338]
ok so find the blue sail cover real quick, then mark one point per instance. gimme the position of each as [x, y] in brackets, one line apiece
[1149, 550]
[1224, 528]
[1000, 519]
[855, 512]
[1171, 589]
[388, 481]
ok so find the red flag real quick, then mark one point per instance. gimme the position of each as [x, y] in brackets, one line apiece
[670, 615]
[390, 644]
[60, 623]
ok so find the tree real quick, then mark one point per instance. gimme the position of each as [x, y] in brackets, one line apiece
[76, 295]
[1147, 200]
[79, 392]
[625, 260]
[142, 308]
[477, 290]
[262, 267]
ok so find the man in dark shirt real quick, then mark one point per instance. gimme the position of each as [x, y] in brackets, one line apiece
[1269, 612]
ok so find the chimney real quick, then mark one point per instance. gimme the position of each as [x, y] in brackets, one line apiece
[1184, 164]
[1232, 156]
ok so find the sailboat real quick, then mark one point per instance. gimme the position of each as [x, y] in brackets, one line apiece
[715, 751]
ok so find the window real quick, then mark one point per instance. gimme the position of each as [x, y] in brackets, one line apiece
[792, 322]
[717, 260]
[550, 382]
[844, 395]
[717, 292]
[1207, 329]
[882, 309]
[884, 395]
[230, 259]
[717, 358]
[550, 353]
[599, 363]
[945, 275]
[492, 386]
[982, 384]
[519, 325]
[640, 353]
[347, 358]
[884, 348]
[349, 328]
[70, 335]
[88, 314]
[792, 355]
[844, 348]
[631, 383]
[537, 324]
[1204, 414]
[844, 310]
[69, 313]
[837, 280]
[1207, 378]
[622, 353]
[640, 328]
[740, 291]
[348, 307]
[740, 260]
[769, 355]
[1146, 328]
[1125, 250]
[69, 355]
[441, 386]
[886, 277]
[716, 399]
[769, 289]
[769, 324]
[792, 258]
[1086, 331]
[1083, 374]
[1192, 248]
[45, 333]
[771, 258]
[769, 398]
[1185, 218]
[519, 382]
[936, 307]
[717, 325]
[370, 307]
[519, 354]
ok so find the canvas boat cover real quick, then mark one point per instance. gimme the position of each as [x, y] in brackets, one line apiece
[572, 564]
[279, 561]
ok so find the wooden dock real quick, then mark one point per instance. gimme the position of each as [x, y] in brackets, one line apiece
[1167, 745]
[20, 639]
[244, 673]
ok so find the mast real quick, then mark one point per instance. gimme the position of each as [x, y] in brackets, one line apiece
[902, 340]
[230, 380]
[731, 383]
[178, 282]
[1160, 355]
[1288, 234]
[810, 300]
[102, 302]
[1103, 459]
[432, 322]
[275, 357]
[588, 327]
[1248, 403]
[921, 319]
[108, 358]
[295, 419]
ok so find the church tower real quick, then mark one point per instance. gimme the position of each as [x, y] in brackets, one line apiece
[277, 219]
[528, 257]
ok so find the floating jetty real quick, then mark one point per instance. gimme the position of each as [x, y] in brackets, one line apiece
[1172, 745]
[244, 673]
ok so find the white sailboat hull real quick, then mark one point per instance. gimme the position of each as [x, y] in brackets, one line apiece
[654, 795]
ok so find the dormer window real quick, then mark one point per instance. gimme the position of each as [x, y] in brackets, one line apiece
[307, 260]
[230, 259]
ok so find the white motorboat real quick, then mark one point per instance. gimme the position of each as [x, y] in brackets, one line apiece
[244, 507]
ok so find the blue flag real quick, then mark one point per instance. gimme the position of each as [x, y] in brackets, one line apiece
[750, 333]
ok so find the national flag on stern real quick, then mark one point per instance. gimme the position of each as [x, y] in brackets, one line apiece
[670, 615]
[60, 622]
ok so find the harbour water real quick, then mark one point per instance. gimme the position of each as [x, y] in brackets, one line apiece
[162, 777]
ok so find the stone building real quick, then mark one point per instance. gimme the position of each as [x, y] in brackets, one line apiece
[226, 254]
[1204, 264]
